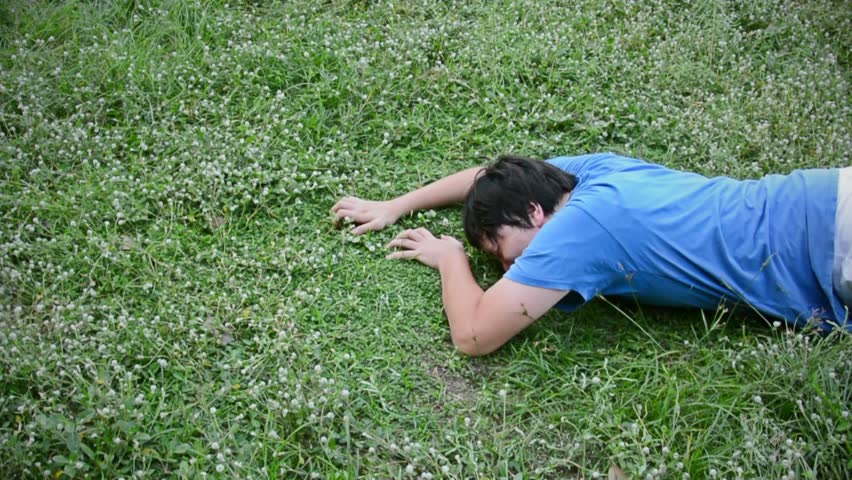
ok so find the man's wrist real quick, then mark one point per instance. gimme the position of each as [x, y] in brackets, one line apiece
[399, 207]
[457, 255]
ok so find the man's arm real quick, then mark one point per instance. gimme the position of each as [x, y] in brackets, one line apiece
[480, 321]
[376, 215]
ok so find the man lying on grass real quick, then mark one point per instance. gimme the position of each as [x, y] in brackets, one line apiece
[571, 228]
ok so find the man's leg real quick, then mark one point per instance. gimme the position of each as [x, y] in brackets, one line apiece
[843, 238]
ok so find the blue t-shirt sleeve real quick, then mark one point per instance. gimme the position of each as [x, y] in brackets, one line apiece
[595, 165]
[572, 252]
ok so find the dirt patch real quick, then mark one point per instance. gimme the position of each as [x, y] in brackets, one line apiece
[456, 386]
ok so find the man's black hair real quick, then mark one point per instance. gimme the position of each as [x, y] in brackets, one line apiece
[503, 191]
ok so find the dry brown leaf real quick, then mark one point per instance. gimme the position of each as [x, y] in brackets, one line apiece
[127, 243]
[217, 222]
[616, 473]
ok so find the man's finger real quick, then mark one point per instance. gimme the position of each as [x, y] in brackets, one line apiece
[366, 227]
[345, 202]
[403, 255]
[413, 234]
[418, 234]
[343, 214]
[402, 243]
[403, 234]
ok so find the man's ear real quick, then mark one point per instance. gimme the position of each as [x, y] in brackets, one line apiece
[537, 217]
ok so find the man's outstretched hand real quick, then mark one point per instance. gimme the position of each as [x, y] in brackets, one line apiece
[367, 214]
[421, 245]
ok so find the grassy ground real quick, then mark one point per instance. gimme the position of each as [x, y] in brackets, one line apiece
[175, 302]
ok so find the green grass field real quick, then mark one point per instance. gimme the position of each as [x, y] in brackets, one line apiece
[176, 303]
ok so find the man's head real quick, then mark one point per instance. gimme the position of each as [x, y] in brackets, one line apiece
[509, 202]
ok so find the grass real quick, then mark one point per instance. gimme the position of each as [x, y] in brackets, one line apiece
[174, 301]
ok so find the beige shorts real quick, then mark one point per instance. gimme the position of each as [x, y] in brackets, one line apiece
[842, 272]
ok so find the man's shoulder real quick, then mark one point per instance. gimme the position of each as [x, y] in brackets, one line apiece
[579, 226]
[597, 165]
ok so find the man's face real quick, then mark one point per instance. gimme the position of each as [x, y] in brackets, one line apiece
[510, 244]
[512, 241]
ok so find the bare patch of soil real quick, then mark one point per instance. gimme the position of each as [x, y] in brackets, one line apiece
[456, 386]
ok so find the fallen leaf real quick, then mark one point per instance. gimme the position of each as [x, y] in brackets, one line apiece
[616, 473]
[127, 243]
[217, 222]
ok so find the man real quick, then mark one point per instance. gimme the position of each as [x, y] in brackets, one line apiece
[571, 228]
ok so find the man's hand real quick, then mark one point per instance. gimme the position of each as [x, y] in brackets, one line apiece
[421, 245]
[367, 214]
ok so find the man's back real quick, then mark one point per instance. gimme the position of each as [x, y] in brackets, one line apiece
[668, 237]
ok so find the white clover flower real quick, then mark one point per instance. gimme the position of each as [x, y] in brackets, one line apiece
[220, 468]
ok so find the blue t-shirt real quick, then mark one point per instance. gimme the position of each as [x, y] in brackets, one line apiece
[666, 237]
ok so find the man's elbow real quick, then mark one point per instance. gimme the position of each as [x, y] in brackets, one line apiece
[471, 345]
